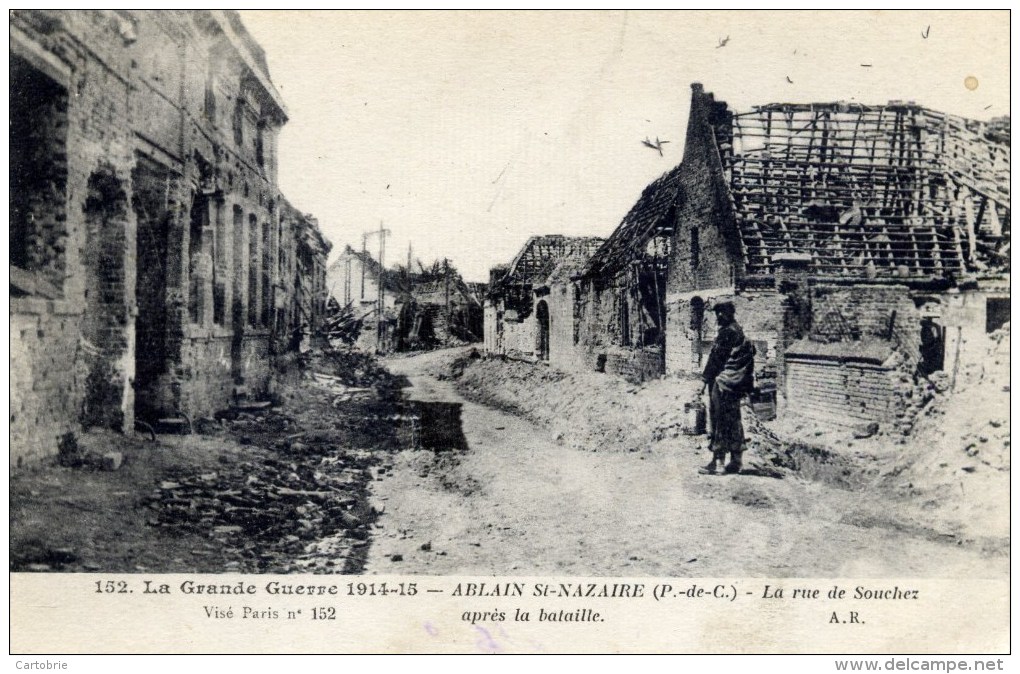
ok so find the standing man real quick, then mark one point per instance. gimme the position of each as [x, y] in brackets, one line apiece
[729, 376]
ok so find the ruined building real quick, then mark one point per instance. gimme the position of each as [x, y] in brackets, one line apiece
[621, 292]
[153, 261]
[863, 246]
[530, 307]
[302, 285]
[438, 312]
[427, 308]
[352, 282]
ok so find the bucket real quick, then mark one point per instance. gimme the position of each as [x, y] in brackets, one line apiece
[694, 418]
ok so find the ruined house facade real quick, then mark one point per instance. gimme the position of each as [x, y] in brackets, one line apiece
[442, 312]
[353, 280]
[531, 307]
[621, 292]
[147, 241]
[860, 245]
[302, 282]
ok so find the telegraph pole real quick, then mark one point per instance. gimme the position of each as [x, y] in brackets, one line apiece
[364, 254]
[446, 283]
[382, 303]
[381, 232]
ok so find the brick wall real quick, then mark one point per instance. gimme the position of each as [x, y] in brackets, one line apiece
[53, 351]
[705, 253]
[704, 259]
[46, 384]
[850, 313]
[205, 375]
[689, 339]
[135, 137]
[844, 394]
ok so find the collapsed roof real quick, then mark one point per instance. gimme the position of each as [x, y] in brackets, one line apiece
[652, 216]
[891, 190]
[541, 254]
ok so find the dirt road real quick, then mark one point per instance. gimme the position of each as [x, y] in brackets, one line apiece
[511, 500]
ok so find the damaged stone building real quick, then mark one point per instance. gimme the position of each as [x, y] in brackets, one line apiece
[621, 292]
[531, 303]
[861, 244]
[353, 281]
[302, 292]
[153, 260]
[442, 312]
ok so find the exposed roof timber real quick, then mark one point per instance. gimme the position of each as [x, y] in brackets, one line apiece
[648, 218]
[541, 253]
[867, 190]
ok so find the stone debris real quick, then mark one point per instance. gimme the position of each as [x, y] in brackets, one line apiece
[111, 461]
[276, 510]
[298, 501]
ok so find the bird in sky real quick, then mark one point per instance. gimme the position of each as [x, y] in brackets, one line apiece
[722, 42]
[657, 145]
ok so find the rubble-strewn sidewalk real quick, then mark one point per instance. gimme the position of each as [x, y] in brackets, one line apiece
[275, 490]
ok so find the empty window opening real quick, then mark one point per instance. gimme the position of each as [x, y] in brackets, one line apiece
[542, 316]
[237, 304]
[651, 307]
[220, 270]
[239, 123]
[209, 106]
[267, 275]
[253, 271]
[105, 309]
[695, 248]
[38, 177]
[237, 307]
[625, 339]
[199, 262]
[996, 313]
[150, 185]
[933, 347]
[260, 155]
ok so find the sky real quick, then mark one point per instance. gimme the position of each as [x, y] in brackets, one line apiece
[465, 133]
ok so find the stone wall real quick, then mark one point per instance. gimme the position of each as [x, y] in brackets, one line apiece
[691, 327]
[564, 327]
[144, 218]
[705, 253]
[860, 311]
[66, 369]
[842, 393]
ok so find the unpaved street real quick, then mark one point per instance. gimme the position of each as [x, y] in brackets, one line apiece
[516, 502]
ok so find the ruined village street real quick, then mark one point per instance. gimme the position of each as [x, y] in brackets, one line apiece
[516, 502]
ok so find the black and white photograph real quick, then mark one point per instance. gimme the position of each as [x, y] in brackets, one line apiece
[510, 295]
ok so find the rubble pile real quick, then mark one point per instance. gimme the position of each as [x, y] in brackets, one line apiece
[275, 512]
[298, 501]
[973, 416]
[343, 327]
[352, 368]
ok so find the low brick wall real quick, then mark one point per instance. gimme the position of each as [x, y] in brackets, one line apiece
[635, 365]
[846, 394]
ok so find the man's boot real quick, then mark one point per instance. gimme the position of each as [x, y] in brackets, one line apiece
[735, 463]
[717, 458]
